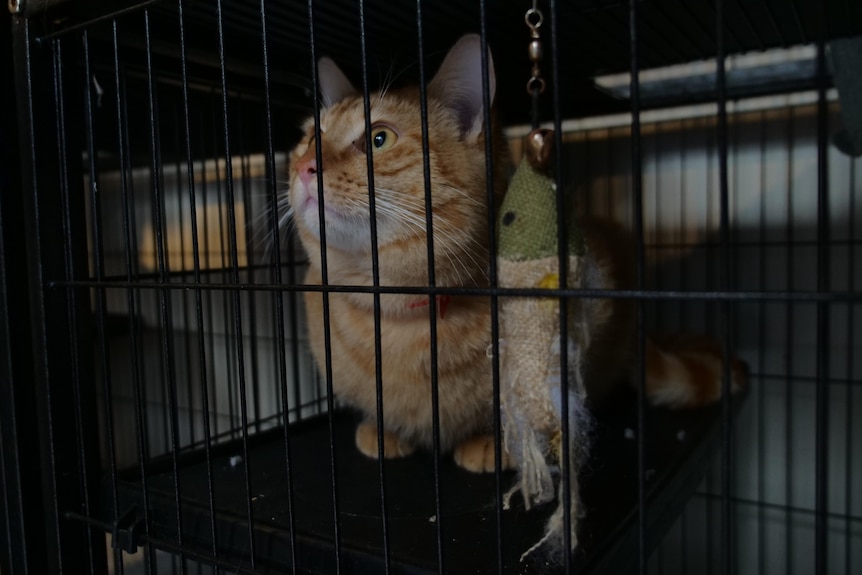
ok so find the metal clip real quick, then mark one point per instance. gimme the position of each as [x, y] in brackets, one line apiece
[127, 531]
[534, 19]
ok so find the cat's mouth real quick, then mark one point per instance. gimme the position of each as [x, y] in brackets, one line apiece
[307, 201]
[345, 228]
[311, 207]
[338, 228]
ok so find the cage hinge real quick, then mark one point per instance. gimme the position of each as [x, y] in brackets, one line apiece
[127, 531]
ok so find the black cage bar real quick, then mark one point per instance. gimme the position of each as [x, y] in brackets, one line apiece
[159, 407]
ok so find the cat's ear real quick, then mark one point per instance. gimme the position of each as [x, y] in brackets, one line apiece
[334, 85]
[458, 83]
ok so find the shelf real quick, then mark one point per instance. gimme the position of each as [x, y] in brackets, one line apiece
[679, 448]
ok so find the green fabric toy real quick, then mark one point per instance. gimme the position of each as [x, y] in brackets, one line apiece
[528, 257]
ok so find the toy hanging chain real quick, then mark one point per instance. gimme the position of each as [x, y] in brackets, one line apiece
[536, 84]
[531, 394]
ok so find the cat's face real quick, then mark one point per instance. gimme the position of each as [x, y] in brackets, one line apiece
[455, 154]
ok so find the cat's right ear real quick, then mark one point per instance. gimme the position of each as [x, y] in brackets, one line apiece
[458, 83]
[334, 85]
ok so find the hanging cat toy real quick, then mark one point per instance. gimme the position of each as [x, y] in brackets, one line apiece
[531, 345]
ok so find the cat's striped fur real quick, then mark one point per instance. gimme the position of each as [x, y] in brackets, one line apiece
[456, 134]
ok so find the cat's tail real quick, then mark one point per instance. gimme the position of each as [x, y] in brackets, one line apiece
[687, 371]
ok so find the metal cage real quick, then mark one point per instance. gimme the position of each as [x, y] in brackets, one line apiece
[160, 411]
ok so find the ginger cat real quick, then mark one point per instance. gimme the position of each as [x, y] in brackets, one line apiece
[456, 135]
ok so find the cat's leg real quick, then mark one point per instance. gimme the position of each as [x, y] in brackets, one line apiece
[393, 446]
[477, 455]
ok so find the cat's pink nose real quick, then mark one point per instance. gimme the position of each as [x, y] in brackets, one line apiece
[306, 168]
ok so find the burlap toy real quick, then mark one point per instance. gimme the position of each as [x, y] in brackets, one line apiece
[528, 257]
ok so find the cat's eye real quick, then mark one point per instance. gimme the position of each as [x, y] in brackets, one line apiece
[382, 138]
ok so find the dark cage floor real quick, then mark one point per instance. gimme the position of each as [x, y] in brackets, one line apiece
[679, 447]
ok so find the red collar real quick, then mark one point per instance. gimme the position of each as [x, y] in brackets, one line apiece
[442, 303]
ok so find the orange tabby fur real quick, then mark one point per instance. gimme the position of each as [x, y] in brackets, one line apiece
[686, 373]
[459, 207]
[681, 371]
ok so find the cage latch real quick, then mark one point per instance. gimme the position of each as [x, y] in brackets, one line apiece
[127, 531]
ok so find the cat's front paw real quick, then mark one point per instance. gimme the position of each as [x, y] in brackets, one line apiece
[393, 446]
[477, 455]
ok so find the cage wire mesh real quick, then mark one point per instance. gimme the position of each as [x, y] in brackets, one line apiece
[170, 336]
[772, 164]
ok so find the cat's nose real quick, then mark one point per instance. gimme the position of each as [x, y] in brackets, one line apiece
[306, 168]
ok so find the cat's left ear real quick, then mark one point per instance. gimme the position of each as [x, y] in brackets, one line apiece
[458, 83]
[334, 85]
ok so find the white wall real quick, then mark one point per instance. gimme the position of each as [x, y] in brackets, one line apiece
[218, 371]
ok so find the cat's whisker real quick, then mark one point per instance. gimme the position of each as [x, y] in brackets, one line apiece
[407, 202]
[261, 224]
[266, 213]
[463, 194]
[445, 230]
[409, 213]
[387, 83]
[285, 218]
[398, 213]
[419, 205]
[275, 220]
[458, 191]
[282, 202]
[384, 88]
[472, 257]
[270, 246]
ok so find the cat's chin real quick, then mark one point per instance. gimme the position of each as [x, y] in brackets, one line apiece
[343, 236]
[341, 233]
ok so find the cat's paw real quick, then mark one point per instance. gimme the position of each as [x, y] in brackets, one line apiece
[393, 446]
[477, 455]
